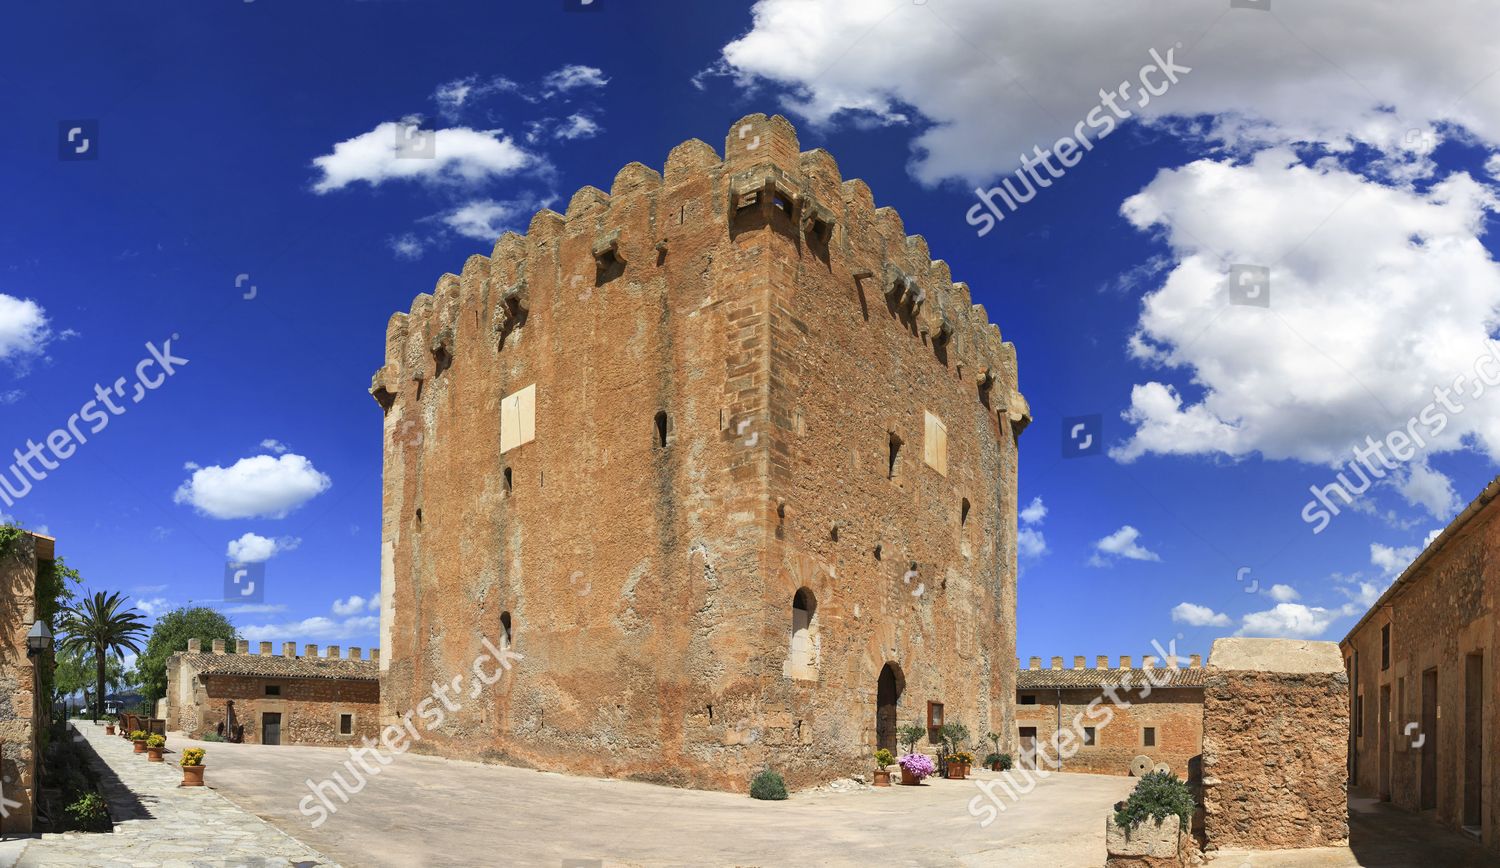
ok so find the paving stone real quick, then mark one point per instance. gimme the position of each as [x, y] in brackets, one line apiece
[160, 824]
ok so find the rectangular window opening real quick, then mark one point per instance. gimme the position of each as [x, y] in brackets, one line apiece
[346, 724]
[273, 689]
[1088, 736]
[1148, 737]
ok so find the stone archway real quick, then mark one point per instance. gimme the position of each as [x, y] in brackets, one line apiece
[887, 695]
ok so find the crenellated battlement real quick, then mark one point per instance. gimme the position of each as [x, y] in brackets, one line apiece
[630, 231]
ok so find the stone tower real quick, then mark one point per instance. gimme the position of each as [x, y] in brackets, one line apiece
[726, 456]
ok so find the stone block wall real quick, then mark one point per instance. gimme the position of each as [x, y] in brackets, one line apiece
[1275, 744]
[1176, 713]
[309, 707]
[19, 711]
[741, 372]
[1426, 687]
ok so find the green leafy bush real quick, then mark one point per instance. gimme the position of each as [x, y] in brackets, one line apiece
[155, 740]
[883, 758]
[89, 812]
[1002, 758]
[1159, 795]
[138, 735]
[210, 736]
[768, 785]
[910, 734]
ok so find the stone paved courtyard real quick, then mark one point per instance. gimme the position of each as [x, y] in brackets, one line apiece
[158, 823]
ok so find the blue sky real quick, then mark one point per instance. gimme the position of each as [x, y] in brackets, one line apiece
[239, 150]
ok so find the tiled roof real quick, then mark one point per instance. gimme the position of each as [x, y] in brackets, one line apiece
[1047, 679]
[274, 666]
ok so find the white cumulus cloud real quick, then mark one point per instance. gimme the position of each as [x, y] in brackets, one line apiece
[253, 548]
[25, 331]
[458, 154]
[261, 486]
[993, 78]
[1283, 593]
[356, 604]
[1288, 621]
[1121, 544]
[1195, 615]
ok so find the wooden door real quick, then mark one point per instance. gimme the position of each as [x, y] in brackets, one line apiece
[270, 727]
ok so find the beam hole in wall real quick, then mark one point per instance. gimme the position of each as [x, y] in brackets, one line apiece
[833, 532]
[442, 359]
[893, 457]
[879, 550]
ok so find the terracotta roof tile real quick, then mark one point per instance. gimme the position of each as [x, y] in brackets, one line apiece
[1048, 679]
[274, 666]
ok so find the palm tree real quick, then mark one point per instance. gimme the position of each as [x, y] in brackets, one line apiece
[97, 626]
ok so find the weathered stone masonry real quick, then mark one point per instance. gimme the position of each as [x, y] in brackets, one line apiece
[756, 449]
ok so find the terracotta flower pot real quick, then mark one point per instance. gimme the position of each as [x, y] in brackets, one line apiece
[192, 776]
[882, 778]
[955, 771]
[109, 729]
[153, 754]
[908, 779]
[140, 746]
[967, 768]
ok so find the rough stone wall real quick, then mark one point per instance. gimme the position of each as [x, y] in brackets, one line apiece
[1176, 712]
[309, 707]
[18, 711]
[649, 588]
[1275, 733]
[1445, 612]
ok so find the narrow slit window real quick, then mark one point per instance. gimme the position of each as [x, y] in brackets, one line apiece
[505, 634]
[893, 457]
[661, 429]
[963, 513]
[509, 480]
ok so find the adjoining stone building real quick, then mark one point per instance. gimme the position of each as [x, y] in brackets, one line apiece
[1120, 712]
[278, 699]
[21, 711]
[1425, 704]
[726, 456]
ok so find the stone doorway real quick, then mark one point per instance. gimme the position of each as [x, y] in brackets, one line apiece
[1474, 741]
[270, 727]
[1383, 746]
[887, 697]
[1429, 740]
[1028, 747]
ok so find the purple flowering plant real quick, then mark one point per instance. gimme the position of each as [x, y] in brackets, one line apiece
[919, 765]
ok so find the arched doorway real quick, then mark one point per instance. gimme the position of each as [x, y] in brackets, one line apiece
[887, 694]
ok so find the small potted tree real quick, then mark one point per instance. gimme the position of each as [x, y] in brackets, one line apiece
[154, 745]
[109, 725]
[139, 737]
[883, 760]
[192, 767]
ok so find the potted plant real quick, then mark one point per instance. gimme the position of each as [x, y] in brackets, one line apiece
[139, 737]
[883, 759]
[966, 761]
[915, 767]
[998, 762]
[192, 767]
[154, 746]
[955, 766]
[109, 725]
[952, 735]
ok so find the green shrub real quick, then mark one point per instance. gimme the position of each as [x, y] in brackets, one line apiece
[1159, 795]
[768, 785]
[155, 740]
[883, 758]
[89, 812]
[210, 736]
[1005, 762]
